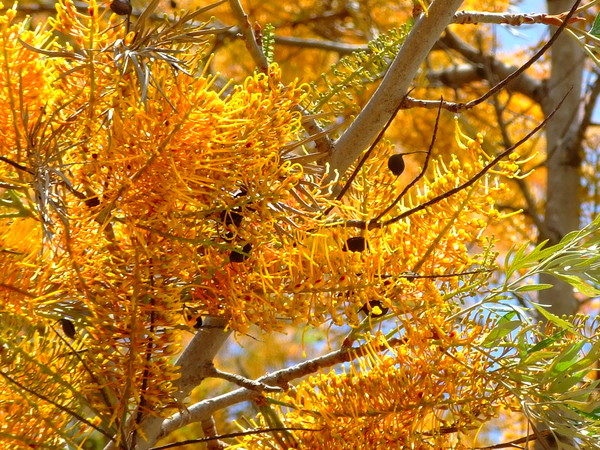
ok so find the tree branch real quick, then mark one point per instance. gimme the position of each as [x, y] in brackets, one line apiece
[459, 75]
[473, 17]
[249, 37]
[206, 408]
[340, 48]
[532, 208]
[195, 365]
[393, 87]
[242, 381]
[421, 173]
[361, 224]
[209, 428]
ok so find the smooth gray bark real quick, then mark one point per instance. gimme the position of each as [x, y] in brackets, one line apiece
[195, 363]
[394, 86]
[563, 182]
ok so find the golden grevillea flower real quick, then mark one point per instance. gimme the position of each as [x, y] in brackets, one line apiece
[424, 390]
[431, 385]
[149, 192]
[138, 208]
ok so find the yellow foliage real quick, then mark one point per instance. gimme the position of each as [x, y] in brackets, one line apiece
[140, 191]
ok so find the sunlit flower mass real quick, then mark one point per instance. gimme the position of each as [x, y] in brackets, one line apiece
[141, 192]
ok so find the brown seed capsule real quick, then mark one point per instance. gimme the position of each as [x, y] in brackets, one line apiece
[67, 327]
[198, 323]
[238, 256]
[374, 308]
[396, 164]
[92, 201]
[231, 217]
[121, 7]
[409, 276]
[355, 244]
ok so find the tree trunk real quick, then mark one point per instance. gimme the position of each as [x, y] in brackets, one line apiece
[563, 160]
[563, 183]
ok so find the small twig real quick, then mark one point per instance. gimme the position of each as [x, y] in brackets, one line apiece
[433, 276]
[361, 224]
[529, 200]
[231, 435]
[242, 381]
[423, 170]
[16, 289]
[410, 102]
[16, 165]
[247, 33]
[458, 107]
[473, 17]
[362, 161]
[528, 64]
[515, 442]
[92, 375]
[480, 174]
[57, 405]
[340, 48]
[525, 84]
[589, 108]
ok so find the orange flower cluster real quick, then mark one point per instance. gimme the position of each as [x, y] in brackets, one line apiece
[136, 192]
[129, 203]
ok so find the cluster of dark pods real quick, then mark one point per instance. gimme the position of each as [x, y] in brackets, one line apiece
[233, 218]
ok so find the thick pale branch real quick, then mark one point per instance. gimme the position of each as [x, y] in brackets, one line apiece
[195, 365]
[206, 408]
[394, 86]
[249, 37]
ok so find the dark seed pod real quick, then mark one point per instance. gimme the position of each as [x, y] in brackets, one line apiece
[67, 327]
[173, 4]
[198, 323]
[92, 201]
[355, 244]
[238, 256]
[374, 308]
[121, 7]
[396, 164]
[410, 276]
[231, 217]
